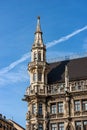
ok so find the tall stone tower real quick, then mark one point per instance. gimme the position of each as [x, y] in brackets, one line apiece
[57, 95]
[36, 92]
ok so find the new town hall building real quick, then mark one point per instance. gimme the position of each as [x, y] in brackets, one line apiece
[57, 95]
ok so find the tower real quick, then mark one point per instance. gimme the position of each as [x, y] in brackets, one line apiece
[37, 67]
[36, 92]
[57, 99]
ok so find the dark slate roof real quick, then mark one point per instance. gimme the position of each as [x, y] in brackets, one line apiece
[77, 69]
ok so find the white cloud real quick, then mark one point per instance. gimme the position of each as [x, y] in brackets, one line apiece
[15, 63]
[20, 75]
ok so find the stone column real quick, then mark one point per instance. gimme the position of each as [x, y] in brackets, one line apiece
[67, 106]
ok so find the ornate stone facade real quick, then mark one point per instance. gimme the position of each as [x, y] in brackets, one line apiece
[55, 103]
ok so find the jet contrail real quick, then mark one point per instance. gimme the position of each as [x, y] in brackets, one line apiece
[67, 37]
[50, 44]
[15, 63]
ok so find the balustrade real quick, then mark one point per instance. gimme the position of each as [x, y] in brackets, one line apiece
[58, 88]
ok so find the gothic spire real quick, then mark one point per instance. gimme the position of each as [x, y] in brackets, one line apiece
[38, 41]
[38, 27]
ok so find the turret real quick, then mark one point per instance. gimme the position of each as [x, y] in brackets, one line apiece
[38, 66]
[37, 91]
[38, 52]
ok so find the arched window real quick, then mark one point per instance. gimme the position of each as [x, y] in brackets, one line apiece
[35, 56]
[39, 56]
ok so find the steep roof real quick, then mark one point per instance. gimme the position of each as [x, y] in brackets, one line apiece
[77, 70]
[16, 125]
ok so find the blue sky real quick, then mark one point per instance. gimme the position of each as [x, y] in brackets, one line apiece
[64, 26]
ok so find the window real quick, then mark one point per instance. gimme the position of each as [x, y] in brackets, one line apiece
[85, 125]
[77, 105]
[61, 126]
[33, 108]
[40, 109]
[53, 108]
[78, 125]
[77, 87]
[8, 128]
[39, 56]
[34, 77]
[60, 107]
[40, 127]
[54, 127]
[0, 125]
[39, 76]
[84, 105]
[35, 56]
[4, 127]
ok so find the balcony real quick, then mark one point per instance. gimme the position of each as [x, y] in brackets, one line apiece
[79, 86]
[55, 89]
[45, 90]
[36, 63]
[58, 88]
[36, 90]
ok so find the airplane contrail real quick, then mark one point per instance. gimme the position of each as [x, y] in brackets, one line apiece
[67, 37]
[50, 44]
[15, 63]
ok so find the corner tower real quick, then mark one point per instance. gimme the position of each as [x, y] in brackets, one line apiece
[37, 91]
[37, 66]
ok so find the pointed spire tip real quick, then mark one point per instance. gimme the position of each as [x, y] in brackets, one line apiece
[38, 27]
[38, 17]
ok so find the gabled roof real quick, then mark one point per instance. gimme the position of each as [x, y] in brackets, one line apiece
[16, 125]
[77, 69]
